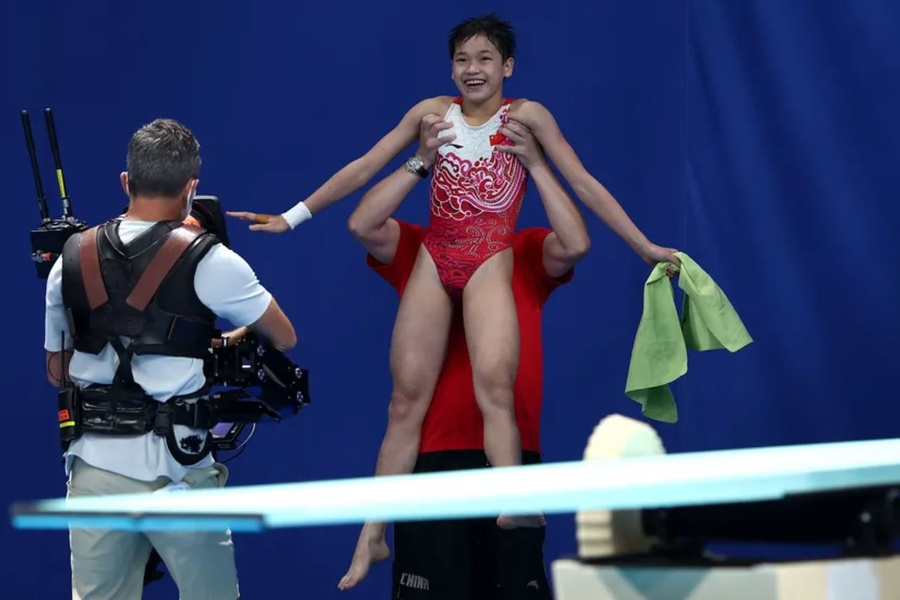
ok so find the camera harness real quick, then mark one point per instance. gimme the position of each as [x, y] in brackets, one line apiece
[141, 292]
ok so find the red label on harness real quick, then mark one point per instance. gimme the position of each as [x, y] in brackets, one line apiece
[63, 415]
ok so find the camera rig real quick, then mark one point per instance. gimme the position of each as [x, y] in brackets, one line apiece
[252, 369]
[250, 379]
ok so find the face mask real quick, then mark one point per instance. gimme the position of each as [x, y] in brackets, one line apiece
[188, 205]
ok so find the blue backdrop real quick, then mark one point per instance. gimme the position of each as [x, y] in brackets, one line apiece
[760, 137]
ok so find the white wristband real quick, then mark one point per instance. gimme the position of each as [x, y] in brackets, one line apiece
[297, 215]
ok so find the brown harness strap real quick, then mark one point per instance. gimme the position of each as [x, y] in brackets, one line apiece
[89, 257]
[178, 241]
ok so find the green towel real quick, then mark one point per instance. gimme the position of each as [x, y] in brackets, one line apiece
[659, 355]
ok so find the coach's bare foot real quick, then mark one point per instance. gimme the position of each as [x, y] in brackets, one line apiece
[512, 522]
[370, 549]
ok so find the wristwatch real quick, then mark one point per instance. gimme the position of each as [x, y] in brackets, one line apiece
[416, 166]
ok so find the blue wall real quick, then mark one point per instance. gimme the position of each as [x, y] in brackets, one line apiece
[759, 137]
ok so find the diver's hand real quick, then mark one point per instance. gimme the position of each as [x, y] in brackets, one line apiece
[261, 221]
[653, 254]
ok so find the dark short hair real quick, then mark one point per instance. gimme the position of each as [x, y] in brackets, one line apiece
[499, 32]
[162, 157]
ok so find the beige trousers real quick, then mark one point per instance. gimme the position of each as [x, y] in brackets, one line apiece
[109, 564]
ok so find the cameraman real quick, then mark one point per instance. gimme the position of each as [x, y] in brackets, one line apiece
[131, 308]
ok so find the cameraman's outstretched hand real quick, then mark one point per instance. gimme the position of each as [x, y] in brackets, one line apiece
[261, 221]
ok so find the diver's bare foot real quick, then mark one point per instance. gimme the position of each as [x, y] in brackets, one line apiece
[370, 549]
[512, 522]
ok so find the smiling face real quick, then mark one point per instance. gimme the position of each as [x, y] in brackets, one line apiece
[479, 70]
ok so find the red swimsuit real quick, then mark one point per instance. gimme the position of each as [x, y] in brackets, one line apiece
[476, 193]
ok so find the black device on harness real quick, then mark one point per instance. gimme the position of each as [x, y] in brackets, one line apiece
[48, 239]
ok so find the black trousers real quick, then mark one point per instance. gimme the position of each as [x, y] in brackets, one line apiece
[467, 559]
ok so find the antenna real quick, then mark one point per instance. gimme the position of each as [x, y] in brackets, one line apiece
[57, 162]
[48, 239]
[35, 170]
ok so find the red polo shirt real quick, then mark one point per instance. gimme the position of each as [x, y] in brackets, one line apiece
[454, 420]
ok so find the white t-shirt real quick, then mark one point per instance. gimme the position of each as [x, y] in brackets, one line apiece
[227, 285]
